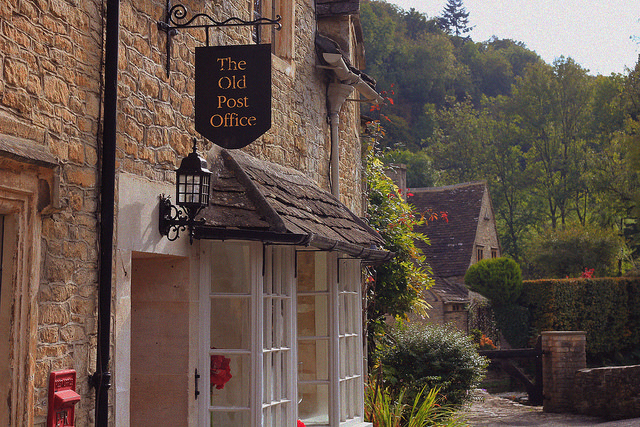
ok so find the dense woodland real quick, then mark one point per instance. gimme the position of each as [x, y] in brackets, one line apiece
[559, 148]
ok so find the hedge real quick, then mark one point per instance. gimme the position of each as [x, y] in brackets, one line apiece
[607, 309]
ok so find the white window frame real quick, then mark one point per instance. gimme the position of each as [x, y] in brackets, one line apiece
[277, 268]
[272, 275]
[348, 272]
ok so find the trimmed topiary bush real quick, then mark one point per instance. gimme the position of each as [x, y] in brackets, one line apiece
[432, 356]
[499, 279]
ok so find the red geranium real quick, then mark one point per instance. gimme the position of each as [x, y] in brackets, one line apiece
[220, 371]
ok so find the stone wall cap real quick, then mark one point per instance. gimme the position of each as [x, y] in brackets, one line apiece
[563, 333]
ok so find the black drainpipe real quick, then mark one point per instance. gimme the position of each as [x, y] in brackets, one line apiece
[101, 379]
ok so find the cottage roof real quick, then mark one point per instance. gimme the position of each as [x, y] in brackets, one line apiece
[452, 235]
[450, 290]
[259, 200]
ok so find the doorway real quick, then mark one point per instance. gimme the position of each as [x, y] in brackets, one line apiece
[159, 341]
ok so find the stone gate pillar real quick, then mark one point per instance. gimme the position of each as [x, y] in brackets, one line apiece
[564, 352]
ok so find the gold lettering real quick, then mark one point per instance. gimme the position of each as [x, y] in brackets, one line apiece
[223, 101]
[230, 120]
[231, 82]
[228, 64]
[242, 83]
[224, 83]
[214, 118]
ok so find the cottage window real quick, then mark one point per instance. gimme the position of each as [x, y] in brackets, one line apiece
[229, 295]
[494, 253]
[479, 253]
[330, 361]
[277, 347]
[281, 41]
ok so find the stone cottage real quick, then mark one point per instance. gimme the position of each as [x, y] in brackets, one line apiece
[252, 316]
[461, 227]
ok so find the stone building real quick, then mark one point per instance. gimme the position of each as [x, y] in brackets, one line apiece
[257, 322]
[461, 227]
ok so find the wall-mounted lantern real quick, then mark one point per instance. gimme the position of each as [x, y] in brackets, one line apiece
[192, 195]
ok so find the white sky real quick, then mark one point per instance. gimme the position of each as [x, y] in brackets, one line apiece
[595, 33]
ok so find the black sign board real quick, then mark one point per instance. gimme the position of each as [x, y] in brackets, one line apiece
[233, 93]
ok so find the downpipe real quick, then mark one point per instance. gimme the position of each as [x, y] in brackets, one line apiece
[101, 379]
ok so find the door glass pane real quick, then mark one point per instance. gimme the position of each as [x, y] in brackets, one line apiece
[230, 419]
[313, 408]
[312, 271]
[230, 380]
[313, 360]
[230, 323]
[230, 268]
[313, 316]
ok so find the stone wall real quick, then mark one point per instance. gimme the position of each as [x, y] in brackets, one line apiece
[611, 392]
[487, 233]
[563, 354]
[51, 63]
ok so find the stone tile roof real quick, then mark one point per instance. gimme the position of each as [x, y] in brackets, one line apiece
[259, 200]
[451, 290]
[452, 240]
[326, 8]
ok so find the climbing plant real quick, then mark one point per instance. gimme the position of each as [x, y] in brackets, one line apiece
[395, 287]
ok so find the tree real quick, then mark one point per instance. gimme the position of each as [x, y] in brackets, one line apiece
[553, 107]
[455, 18]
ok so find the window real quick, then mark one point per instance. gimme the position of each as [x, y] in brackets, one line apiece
[229, 353]
[315, 348]
[282, 339]
[479, 253]
[248, 357]
[281, 41]
[330, 361]
[350, 340]
[278, 407]
[494, 253]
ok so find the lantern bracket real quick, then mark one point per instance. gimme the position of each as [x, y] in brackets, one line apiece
[174, 219]
[176, 18]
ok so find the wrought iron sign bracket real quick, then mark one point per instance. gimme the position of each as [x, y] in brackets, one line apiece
[176, 18]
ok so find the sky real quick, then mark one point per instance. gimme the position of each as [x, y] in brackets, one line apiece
[597, 34]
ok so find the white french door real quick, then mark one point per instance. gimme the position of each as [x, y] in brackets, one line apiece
[246, 334]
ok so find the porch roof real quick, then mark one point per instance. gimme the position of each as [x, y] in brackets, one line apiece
[251, 199]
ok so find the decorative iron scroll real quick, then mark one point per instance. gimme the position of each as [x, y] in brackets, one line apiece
[173, 220]
[177, 18]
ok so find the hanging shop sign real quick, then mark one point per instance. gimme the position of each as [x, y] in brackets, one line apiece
[233, 93]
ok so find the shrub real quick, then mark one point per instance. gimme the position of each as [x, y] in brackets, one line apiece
[568, 253]
[605, 308]
[419, 356]
[498, 279]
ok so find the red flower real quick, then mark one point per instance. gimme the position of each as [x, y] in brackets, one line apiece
[445, 216]
[220, 371]
[301, 424]
[588, 273]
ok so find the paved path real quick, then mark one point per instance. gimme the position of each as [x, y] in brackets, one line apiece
[490, 410]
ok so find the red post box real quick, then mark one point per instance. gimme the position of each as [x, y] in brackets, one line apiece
[62, 398]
